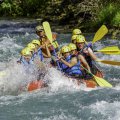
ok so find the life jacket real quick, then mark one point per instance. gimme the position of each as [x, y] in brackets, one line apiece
[87, 57]
[24, 62]
[55, 43]
[38, 53]
[75, 70]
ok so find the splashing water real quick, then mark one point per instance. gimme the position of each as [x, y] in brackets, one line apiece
[63, 99]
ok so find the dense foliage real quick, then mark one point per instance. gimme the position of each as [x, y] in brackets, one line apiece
[66, 12]
[21, 8]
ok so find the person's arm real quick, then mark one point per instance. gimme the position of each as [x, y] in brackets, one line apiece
[48, 51]
[46, 54]
[82, 59]
[72, 62]
[92, 55]
[45, 41]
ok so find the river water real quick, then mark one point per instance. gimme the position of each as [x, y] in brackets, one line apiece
[63, 100]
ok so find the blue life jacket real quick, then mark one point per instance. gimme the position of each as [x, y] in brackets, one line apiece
[54, 51]
[75, 70]
[24, 62]
[38, 53]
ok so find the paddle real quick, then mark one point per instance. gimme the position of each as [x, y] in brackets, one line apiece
[100, 33]
[109, 62]
[112, 53]
[47, 30]
[48, 33]
[100, 81]
[110, 50]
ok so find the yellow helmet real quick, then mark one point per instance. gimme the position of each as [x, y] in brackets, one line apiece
[74, 37]
[29, 49]
[65, 49]
[80, 39]
[36, 42]
[55, 44]
[39, 28]
[76, 32]
[31, 46]
[25, 51]
[72, 46]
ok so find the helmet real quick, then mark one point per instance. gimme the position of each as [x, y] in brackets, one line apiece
[76, 32]
[39, 28]
[65, 49]
[25, 52]
[80, 39]
[72, 46]
[36, 42]
[31, 46]
[29, 49]
[73, 37]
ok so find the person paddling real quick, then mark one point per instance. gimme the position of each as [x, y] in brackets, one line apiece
[23, 52]
[73, 39]
[70, 64]
[53, 47]
[83, 61]
[43, 39]
[37, 51]
[80, 57]
[75, 33]
[26, 57]
[87, 52]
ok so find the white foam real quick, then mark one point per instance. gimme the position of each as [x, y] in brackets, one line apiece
[112, 110]
[15, 77]
[58, 81]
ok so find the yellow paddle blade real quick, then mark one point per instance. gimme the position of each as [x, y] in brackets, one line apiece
[112, 52]
[47, 30]
[101, 82]
[109, 49]
[109, 62]
[100, 33]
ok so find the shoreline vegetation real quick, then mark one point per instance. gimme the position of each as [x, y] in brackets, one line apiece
[67, 14]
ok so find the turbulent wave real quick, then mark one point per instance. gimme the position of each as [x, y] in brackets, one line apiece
[63, 99]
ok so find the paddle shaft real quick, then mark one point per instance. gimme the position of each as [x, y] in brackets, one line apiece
[100, 81]
[110, 62]
[48, 33]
